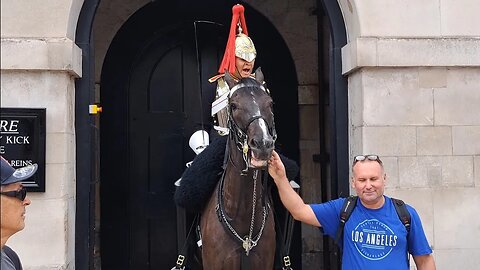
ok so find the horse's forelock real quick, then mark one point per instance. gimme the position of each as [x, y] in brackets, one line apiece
[248, 84]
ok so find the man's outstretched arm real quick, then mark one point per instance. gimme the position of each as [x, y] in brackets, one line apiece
[290, 199]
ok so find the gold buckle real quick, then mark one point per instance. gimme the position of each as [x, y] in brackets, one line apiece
[286, 261]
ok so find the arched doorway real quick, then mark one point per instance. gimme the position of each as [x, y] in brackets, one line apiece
[87, 136]
[153, 99]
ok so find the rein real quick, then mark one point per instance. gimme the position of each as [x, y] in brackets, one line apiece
[248, 242]
[239, 137]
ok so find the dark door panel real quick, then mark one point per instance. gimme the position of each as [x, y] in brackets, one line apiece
[164, 109]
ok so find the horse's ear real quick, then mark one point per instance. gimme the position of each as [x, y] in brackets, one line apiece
[259, 75]
[229, 79]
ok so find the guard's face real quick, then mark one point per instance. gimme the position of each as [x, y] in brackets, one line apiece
[243, 68]
[368, 180]
[12, 210]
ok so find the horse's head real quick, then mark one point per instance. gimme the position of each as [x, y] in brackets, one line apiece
[251, 120]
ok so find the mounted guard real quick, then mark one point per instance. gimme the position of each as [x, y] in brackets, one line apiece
[243, 235]
[238, 60]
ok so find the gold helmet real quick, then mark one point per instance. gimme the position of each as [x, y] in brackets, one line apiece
[244, 48]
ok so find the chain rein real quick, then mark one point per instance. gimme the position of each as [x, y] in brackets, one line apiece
[240, 138]
[247, 243]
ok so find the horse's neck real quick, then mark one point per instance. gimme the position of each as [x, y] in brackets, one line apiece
[238, 190]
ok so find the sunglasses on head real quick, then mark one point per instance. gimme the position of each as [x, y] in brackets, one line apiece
[366, 157]
[19, 194]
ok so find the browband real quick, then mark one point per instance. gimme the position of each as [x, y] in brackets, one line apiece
[241, 85]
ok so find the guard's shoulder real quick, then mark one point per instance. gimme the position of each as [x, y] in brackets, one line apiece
[216, 77]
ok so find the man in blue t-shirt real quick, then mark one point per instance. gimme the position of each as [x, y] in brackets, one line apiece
[374, 237]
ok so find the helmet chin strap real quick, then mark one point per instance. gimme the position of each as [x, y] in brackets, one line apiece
[239, 74]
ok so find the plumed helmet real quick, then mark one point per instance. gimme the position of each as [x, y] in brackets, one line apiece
[239, 43]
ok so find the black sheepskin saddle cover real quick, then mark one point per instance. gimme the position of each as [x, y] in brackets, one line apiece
[199, 180]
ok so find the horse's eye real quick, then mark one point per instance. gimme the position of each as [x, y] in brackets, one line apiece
[233, 106]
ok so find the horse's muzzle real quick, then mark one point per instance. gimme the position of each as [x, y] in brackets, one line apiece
[261, 151]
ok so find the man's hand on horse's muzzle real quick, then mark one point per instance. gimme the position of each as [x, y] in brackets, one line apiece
[276, 169]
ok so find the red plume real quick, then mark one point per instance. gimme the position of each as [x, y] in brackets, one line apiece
[228, 62]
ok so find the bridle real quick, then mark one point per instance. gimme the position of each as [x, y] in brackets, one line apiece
[239, 135]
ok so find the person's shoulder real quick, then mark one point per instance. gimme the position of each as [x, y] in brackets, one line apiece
[335, 203]
[340, 200]
[410, 208]
[392, 200]
[12, 257]
[9, 251]
[216, 78]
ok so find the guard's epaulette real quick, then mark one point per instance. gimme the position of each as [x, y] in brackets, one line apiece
[215, 78]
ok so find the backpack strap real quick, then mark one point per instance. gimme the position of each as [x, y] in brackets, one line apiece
[402, 213]
[350, 203]
[405, 218]
[347, 209]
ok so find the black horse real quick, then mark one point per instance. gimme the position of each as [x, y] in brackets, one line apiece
[237, 224]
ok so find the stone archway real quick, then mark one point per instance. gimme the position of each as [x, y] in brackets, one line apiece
[131, 41]
[86, 94]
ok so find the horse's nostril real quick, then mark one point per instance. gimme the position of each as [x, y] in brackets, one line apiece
[269, 144]
[261, 143]
[255, 143]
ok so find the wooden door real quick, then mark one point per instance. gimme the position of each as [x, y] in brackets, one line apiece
[165, 108]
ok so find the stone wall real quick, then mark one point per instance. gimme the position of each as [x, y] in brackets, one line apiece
[51, 216]
[39, 65]
[414, 100]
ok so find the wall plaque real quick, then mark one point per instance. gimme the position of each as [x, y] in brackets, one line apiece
[22, 142]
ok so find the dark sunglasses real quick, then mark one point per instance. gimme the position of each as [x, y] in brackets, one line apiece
[366, 157]
[19, 194]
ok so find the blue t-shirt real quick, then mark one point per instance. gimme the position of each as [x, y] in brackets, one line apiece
[373, 238]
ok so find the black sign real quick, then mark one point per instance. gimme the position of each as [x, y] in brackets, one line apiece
[22, 142]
